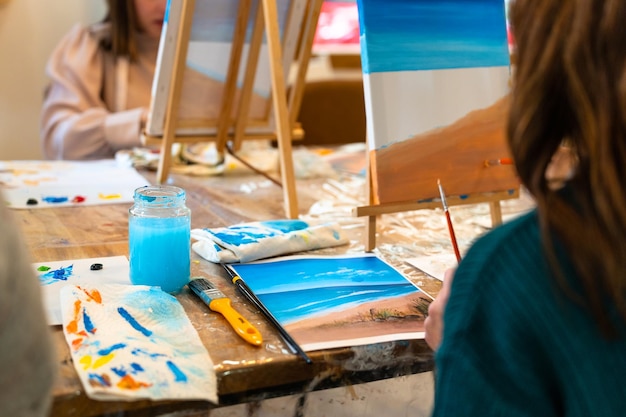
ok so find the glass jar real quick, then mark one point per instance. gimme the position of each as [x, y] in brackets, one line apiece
[159, 227]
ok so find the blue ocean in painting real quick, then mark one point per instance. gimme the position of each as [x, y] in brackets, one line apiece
[301, 288]
[413, 35]
[304, 304]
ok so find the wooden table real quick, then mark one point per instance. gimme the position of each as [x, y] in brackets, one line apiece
[244, 373]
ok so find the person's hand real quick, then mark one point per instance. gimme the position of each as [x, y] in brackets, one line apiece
[434, 322]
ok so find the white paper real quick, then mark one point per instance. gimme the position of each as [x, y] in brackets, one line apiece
[115, 270]
[67, 183]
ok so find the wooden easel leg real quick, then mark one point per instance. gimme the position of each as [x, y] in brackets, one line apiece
[370, 234]
[496, 213]
[279, 98]
[165, 161]
[370, 223]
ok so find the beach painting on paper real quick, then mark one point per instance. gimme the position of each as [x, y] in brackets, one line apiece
[435, 77]
[326, 302]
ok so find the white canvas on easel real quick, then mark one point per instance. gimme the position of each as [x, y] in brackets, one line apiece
[222, 76]
[436, 76]
[208, 55]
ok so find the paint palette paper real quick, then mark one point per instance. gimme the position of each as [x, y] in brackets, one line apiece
[55, 275]
[41, 184]
[131, 342]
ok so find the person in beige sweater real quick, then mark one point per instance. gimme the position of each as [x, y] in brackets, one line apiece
[100, 83]
[26, 351]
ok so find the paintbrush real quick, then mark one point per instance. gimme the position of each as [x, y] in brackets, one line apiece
[217, 301]
[449, 220]
[247, 292]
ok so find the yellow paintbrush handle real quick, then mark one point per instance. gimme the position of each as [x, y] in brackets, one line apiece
[248, 332]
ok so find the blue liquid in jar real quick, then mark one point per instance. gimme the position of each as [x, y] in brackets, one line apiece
[159, 238]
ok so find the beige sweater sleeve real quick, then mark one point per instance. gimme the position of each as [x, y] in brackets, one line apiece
[26, 352]
[75, 121]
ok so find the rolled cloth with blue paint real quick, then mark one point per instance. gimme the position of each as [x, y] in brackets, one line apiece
[248, 242]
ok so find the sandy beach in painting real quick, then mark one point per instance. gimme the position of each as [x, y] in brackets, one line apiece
[455, 154]
[377, 318]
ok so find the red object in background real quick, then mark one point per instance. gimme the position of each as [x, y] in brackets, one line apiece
[338, 24]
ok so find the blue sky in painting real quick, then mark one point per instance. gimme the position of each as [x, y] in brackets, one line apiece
[307, 273]
[410, 35]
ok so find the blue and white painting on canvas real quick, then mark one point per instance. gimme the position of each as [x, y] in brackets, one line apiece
[428, 64]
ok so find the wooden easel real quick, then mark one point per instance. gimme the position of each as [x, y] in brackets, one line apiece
[233, 124]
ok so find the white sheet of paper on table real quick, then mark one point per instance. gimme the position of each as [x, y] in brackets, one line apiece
[115, 270]
[41, 184]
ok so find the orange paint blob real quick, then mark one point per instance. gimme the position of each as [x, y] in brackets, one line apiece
[128, 382]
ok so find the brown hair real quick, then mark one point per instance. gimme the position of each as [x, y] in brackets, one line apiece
[570, 85]
[122, 17]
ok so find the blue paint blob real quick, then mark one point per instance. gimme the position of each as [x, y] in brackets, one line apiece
[136, 367]
[286, 226]
[141, 352]
[55, 200]
[106, 351]
[252, 233]
[178, 374]
[463, 196]
[100, 380]
[131, 320]
[88, 323]
[61, 274]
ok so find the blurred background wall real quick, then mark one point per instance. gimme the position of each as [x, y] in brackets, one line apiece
[29, 30]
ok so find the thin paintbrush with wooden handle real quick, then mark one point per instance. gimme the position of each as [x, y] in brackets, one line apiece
[247, 292]
[449, 220]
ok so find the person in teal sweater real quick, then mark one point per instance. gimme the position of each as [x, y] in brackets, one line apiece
[534, 321]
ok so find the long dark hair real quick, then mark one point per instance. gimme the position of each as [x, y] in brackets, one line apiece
[570, 85]
[123, 19]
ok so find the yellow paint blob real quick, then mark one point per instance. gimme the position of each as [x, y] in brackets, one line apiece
[109, 196]
[85, 361]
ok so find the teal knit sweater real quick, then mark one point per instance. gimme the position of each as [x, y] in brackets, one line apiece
[515, 345]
